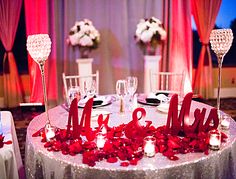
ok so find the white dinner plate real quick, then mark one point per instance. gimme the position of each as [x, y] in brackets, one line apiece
[164, 107]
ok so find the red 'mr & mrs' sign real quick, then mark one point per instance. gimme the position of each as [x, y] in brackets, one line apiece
[175, 125]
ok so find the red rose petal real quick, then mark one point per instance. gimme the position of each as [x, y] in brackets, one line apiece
[133, 161]
[64, 152]
[8, 142]
[122, 156]
[124, 164]
[173, 157]
[112, 160]
[49, 149]
[172, 144]
[223, 135]
[193, 143]
[37, 133]
[47, 144]
[72, 154]
[162, 148]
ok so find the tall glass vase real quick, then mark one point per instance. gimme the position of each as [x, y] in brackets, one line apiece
[221, 41]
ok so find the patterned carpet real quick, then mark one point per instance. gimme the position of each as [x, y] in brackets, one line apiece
[23, 116]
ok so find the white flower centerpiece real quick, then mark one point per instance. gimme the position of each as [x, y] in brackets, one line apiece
[149, 35]
[84, 35]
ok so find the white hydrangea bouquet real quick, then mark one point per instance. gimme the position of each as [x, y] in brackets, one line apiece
[149, 34]
[84, 35]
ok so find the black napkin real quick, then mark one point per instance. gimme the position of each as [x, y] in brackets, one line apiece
[97, 102]
[152, 100]
[167, 94]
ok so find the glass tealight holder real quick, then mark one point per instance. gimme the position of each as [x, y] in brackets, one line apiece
[100, 140]
[214, 139]
[225, 122]
[50, 132]
[149, 146]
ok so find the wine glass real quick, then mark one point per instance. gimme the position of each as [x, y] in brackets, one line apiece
[121, 91]
[221, 41]
[39, 48]
[73, 92]
[90, 88]
[132, 84]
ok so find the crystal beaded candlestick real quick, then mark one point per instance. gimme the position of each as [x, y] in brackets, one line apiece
[221, 41]
[39, 48]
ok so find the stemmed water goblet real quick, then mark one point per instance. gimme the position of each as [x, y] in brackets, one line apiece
[221, 41]
[73, 92]
[132, 84]
[121, 91]
[39, 48]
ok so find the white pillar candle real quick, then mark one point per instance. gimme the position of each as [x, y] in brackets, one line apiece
[149, 146]
[225, 122]
[214, 140]
[50, 132]
[100, 141]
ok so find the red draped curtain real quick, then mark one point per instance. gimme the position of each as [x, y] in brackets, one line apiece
[178, 49]
[38, 22]
[204, 13]
[9, 15]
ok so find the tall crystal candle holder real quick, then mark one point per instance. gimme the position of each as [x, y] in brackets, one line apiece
[39, 48]
[221, 41]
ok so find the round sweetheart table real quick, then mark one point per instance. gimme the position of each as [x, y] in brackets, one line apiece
[41, 163]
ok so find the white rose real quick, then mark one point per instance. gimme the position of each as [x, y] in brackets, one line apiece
[163, 34]
[74, 29]
[73, 39]
[157, 20]
[88, 22]
[154, 26]
[140, 28]
[146, 36]
[86, 41]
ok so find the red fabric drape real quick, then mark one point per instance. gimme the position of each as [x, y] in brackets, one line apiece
[180, 41]
[9, 15]
[204, 13]
[37, 22]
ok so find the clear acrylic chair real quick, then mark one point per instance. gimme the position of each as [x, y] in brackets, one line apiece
[167, 82]
[70, 81]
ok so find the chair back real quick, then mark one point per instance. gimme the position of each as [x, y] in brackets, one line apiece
[167, 82]
[70, 81]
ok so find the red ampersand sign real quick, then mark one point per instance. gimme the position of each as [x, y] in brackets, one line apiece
[133, 128]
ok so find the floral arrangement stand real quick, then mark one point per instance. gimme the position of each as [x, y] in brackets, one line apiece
[149, 36]
[84, 36]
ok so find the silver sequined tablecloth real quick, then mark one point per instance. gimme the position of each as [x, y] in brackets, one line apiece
[43, 164]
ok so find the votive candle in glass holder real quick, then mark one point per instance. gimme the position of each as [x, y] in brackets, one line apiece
[214, 139]
[225, 122]
[149, 146]
[50, 132]
[100, 140]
